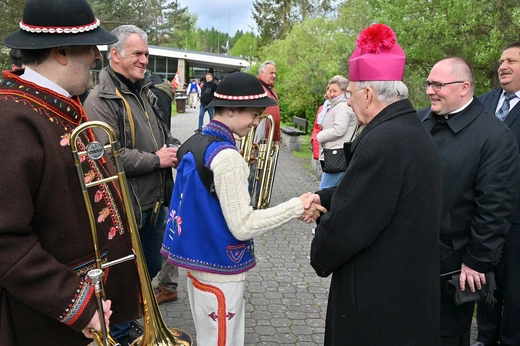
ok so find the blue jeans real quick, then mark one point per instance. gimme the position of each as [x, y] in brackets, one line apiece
[330, 179]
[151, 241]
[202, 111]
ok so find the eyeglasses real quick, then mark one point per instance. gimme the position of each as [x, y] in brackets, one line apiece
[436, 86]
[348, 93]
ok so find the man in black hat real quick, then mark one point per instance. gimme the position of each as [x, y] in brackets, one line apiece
[45, 295]
[219, 223]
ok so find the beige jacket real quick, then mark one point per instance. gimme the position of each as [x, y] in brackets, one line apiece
[338, 126]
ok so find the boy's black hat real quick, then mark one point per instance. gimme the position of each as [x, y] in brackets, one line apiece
[55, 23]
[241, 89]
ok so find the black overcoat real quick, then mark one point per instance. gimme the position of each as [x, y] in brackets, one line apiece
[480, 169]
[380, 237]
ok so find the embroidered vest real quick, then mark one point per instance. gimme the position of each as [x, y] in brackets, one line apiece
[197, 236]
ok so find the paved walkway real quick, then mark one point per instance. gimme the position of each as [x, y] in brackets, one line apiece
[286, 301]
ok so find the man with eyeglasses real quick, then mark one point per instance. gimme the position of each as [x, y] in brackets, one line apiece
[480, 166]
[501, 322]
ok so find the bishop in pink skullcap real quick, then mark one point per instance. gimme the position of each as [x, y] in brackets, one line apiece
[377, 56]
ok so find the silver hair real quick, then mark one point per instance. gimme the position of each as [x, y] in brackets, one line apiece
[386, 91]
[122, 33]
[264, 64]
[341, 81]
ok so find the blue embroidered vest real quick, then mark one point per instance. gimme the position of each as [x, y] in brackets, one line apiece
[197, 236]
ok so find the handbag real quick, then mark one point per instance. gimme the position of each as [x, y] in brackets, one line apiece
[486, 293]
[334, 160]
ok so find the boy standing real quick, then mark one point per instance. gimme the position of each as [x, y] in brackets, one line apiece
[211, 223]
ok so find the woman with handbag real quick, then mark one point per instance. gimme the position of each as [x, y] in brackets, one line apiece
[338, 124]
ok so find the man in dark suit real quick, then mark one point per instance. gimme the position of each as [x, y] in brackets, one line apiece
[480, 170]
[502, 321]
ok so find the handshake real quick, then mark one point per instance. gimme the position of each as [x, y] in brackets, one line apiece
[312, 206]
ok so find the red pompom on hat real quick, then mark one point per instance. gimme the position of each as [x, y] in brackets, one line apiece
[377, 57]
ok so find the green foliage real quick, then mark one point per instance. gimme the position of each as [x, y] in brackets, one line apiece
[11, 15]
[245, 47]
[276, 18]
[428, 30]
[431, 30]
[305, 61]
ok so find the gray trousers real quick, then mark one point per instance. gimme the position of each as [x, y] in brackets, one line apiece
[168, 277]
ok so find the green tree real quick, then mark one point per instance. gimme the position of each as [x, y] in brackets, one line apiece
[430, 30]
[275, 18]
[11, 16]
[305, 60]
[245, 47]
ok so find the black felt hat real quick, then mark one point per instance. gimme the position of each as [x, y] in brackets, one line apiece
[241, 89]
[55, 23]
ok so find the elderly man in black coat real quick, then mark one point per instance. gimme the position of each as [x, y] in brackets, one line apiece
[380, 238]
[480, 169]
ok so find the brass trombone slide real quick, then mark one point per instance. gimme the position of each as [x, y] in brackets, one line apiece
[156, 333]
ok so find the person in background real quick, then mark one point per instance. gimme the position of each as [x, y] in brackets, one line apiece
[194, 92]
[338, 123]
[316, 128]
[267, 76]
[206, 95]
[46, 297]
[123, 100]
[165, 94]
[16, 59]
[212, 235]
[168, 276]
[501, 322]
[379, 239]
[480, 170]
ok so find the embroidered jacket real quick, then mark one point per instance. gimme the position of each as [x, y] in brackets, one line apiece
[46, 248]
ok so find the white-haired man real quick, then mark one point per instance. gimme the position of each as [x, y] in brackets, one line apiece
[380, 236]
[124, 101]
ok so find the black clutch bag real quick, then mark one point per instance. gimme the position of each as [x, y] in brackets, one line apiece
[486, 293]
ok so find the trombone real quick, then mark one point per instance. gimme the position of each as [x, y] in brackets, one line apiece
[264, 168]
[156, 333]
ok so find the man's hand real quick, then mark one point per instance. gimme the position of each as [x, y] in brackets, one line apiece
[95, 323]
[474, 278]
[312, 206]
[167, 156]
[311, 198]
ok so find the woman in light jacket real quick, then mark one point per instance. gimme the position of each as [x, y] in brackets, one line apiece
[338, 126]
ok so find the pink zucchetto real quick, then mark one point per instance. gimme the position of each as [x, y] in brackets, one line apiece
[377, 56]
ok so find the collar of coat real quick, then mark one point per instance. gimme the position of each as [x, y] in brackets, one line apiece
[458, 121]
[390, 112]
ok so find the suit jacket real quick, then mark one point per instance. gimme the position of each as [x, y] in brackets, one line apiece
[480, 170]
[512, 120]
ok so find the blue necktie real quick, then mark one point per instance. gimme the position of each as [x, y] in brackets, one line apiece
[502, 112]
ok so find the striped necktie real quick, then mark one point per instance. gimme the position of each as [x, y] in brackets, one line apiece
[502, 112]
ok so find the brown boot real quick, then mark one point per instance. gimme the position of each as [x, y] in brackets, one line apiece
[162, 296]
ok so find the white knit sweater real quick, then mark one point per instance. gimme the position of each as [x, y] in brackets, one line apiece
[231, 174]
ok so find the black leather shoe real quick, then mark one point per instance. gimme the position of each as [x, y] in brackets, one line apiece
[478, 343]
